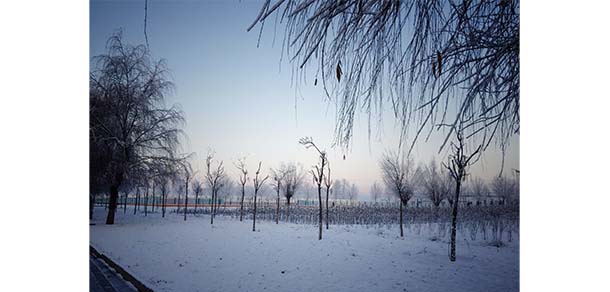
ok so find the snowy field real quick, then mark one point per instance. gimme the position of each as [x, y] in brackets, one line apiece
[169, 254]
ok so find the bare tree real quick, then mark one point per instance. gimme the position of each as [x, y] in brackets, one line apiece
[317, 173]
[339, 189]
[138, 178]
[504, 188]
[126, 188]
[457, 165]
[224, 191]
[146, 195]
[179, 189]
[137, 199]
[479, 189]
[152, 193]
[292, 182]
[257, 185]
[375, 192]
[197, 188]
[435, 183]
[328, 183]
[352, 194]
[163, 183]
[278, 175]
[157, 174]
[397, 172]
[421, 56]
[215, 180]
[128, 122]
[243, 179]
[188, 173]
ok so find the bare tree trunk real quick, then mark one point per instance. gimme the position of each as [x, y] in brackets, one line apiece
[241, 210]
[91, 205]
[212, 208]
[138, 200]
[254, 217]
[401, 231]
[454, 220]
[288, 210]
[186, 198]
[125, 203]
[320, 209]
[112, 204]
[153, 197]
[196, 201]
[146, 202]
[135, 206]
[277, 211]
[216, 203]
[163, 202]
[327, 191]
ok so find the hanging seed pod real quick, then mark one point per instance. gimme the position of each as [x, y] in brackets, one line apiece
[339, 72]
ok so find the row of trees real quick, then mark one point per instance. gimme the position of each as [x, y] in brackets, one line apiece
[402, 179]
[434, 185]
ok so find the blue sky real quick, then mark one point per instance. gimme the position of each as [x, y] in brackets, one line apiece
[239, 100]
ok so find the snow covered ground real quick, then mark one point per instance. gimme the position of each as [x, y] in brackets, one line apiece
[169, 254]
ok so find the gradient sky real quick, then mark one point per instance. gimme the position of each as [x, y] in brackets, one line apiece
[239, 99]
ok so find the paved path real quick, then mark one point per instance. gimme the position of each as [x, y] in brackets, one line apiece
[103, 279]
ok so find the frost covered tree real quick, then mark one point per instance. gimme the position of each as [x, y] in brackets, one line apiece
[479, 189]
[243, 179]
[352, 194]
[146, 195]
[187, 172]
[163, 183]
[178, 189]
[421, 57]
[435, 183]
[458, 162]
[278, 176]
[375, 192]
[339, 189]
[215, 178]
[397, 172]
[317, 173]
[327, 183]
[505, 188]
[292, 182]
[225, 191]
[129, 124]
[198, 189]
[258, 183]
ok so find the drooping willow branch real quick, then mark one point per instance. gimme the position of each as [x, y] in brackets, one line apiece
[437, 63]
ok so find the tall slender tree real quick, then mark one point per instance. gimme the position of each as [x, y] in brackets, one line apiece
[375, 192]
[258, 183]
[318, 174]
[292, 182]
[435, 183]
[278, 175]
[327, 183]
[457, 165]
[243, 179]
[215, 178]
[197, 188]
[397, 172]
[188, 174]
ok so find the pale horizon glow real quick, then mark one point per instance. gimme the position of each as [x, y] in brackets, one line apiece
[239, 100]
